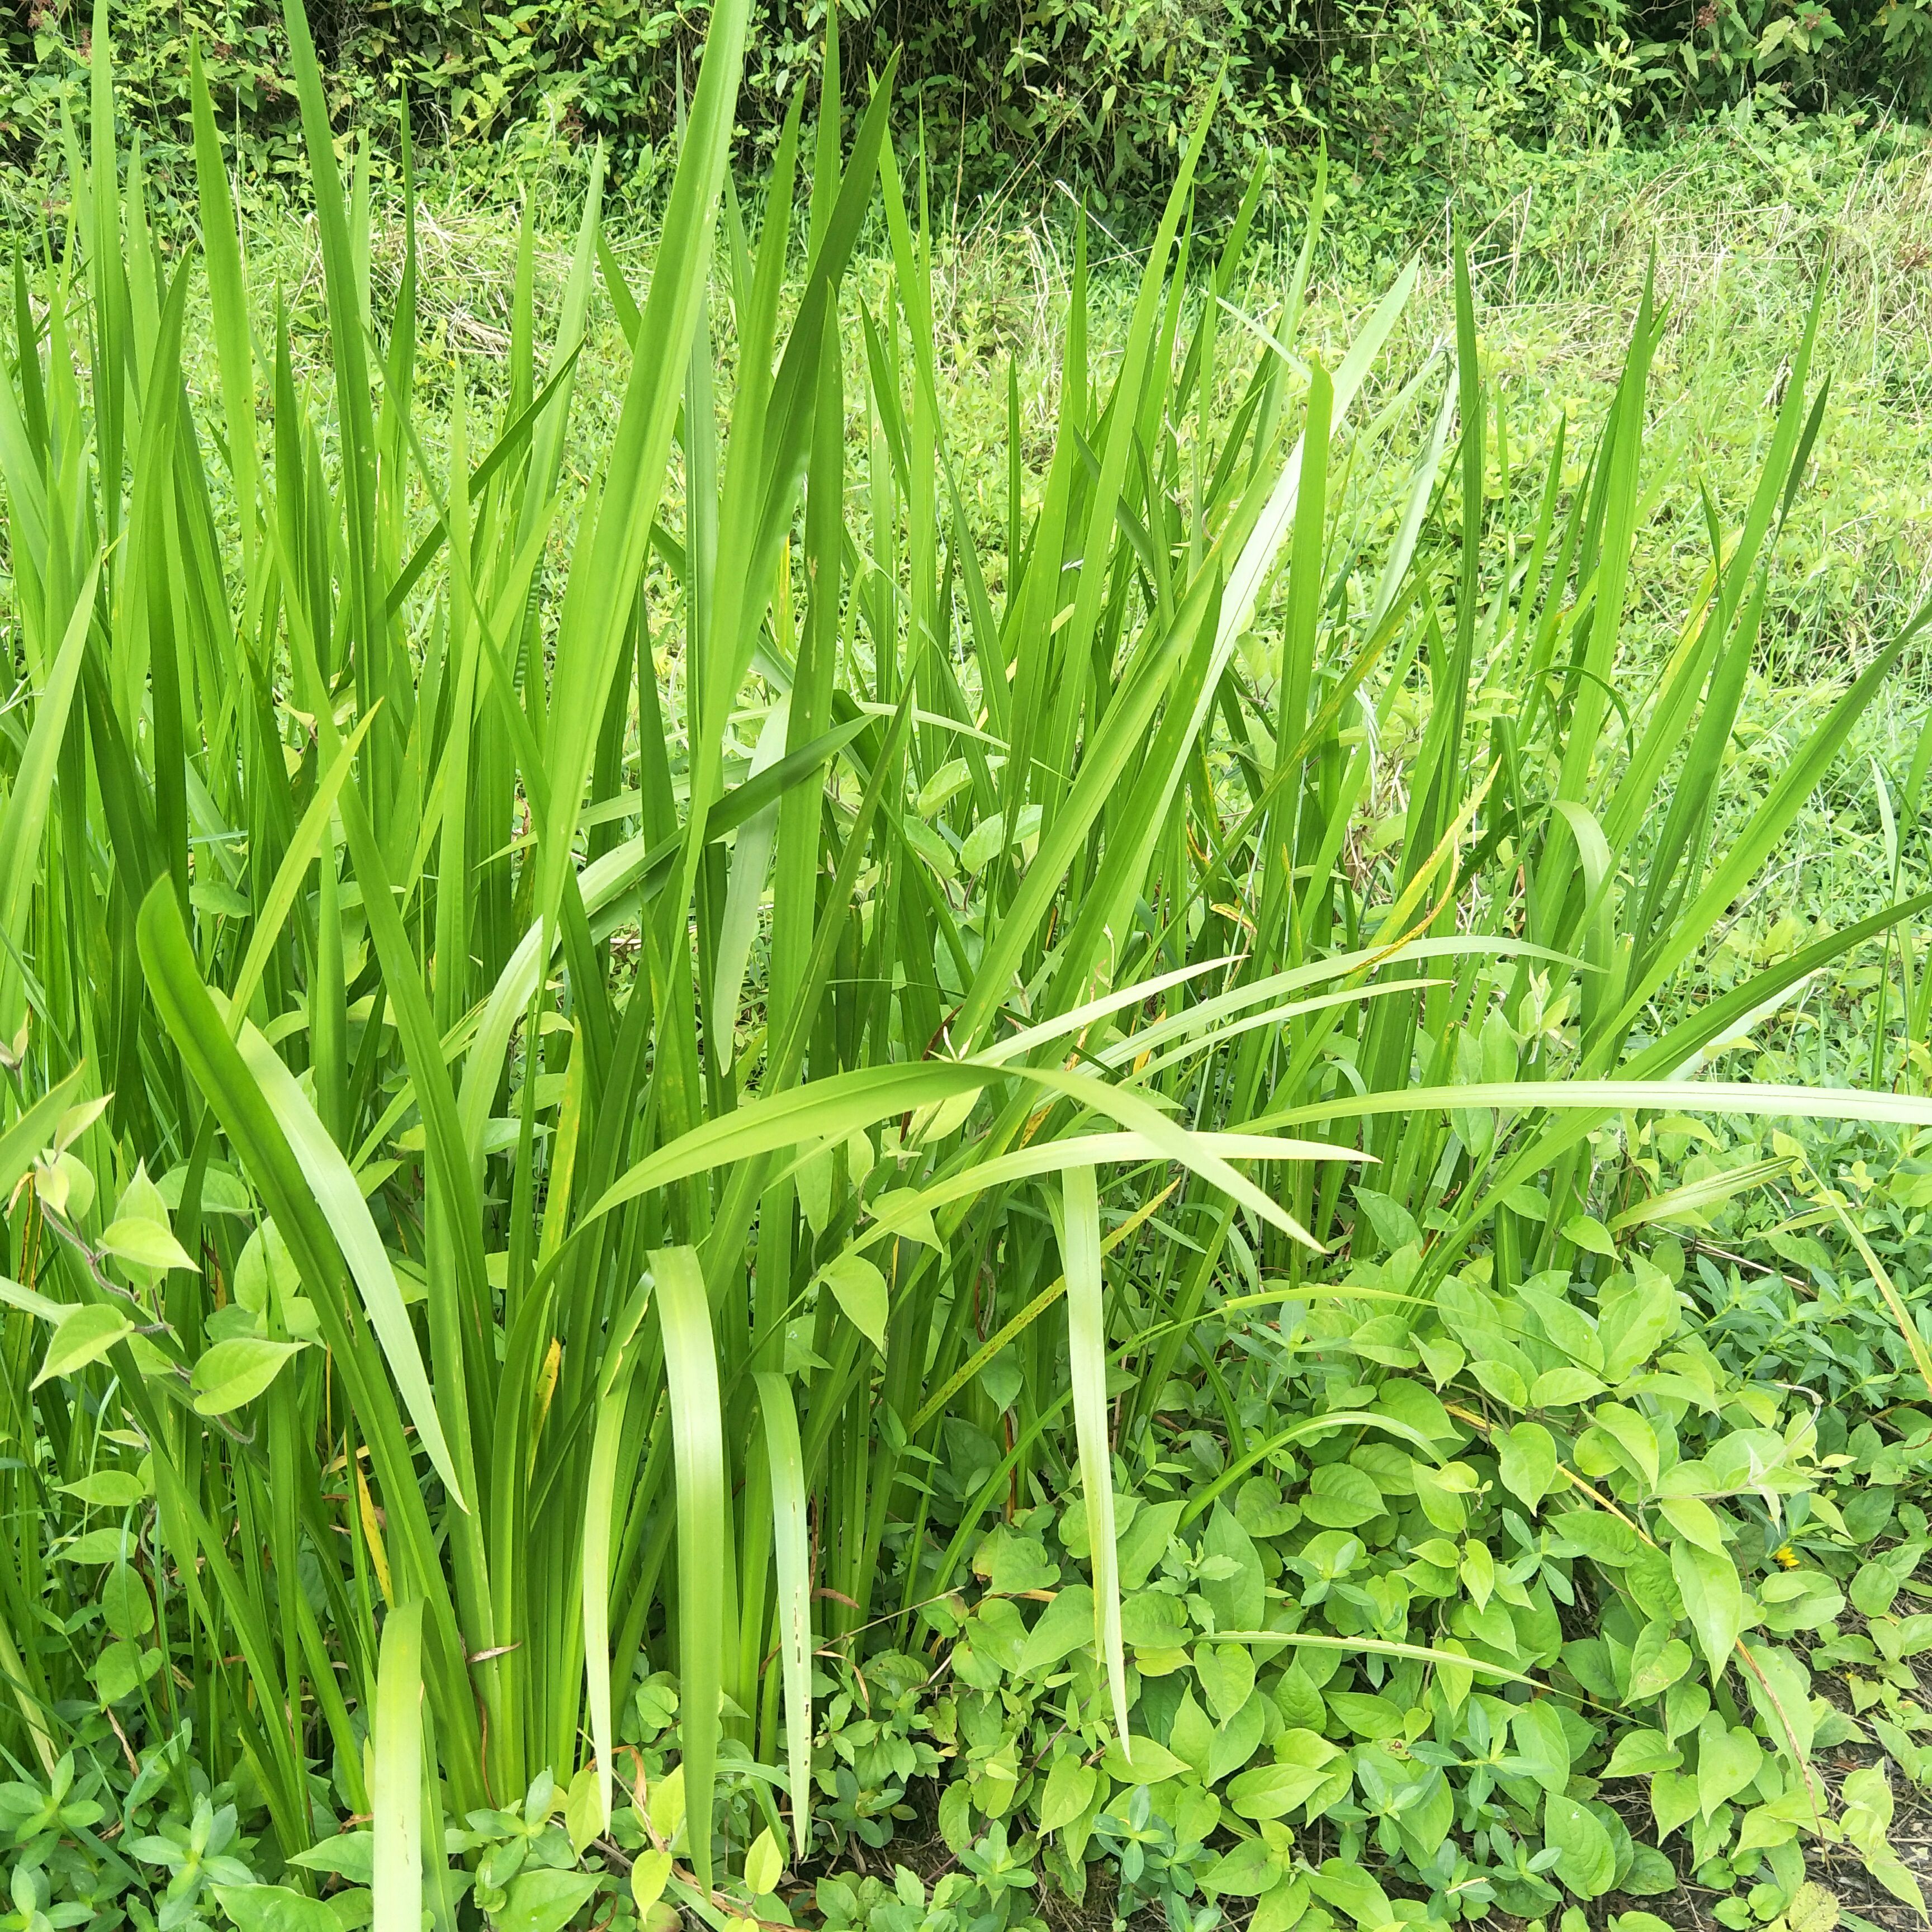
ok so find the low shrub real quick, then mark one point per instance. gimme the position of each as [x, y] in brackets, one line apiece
[1006, 98]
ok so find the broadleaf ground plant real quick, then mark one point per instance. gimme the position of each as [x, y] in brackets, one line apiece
[689, 1141]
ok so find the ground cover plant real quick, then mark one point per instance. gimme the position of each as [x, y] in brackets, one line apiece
[716, 1168]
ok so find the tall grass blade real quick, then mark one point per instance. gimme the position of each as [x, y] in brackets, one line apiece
[792, 1554]
[1086, 1359]
[691, 1370]
[397, 1787]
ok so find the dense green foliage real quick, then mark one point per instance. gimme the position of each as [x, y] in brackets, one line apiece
[708, 1137]
[1006, 96]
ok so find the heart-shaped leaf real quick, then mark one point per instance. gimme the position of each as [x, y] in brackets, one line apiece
[1673, 1798]
[235, 1372]
[107, 1489]
[1728, 1759]
[1714, 1599]
[1069, 1790]
[1526, 1459]
[1657, 1659]
[859, 1289]
[147, 1242]
[83, 1337]
[1639, 1753]
[274, 1908]
[545, 1900]
[1586, 1858]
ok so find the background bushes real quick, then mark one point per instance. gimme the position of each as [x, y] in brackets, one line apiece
[1009, 92]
